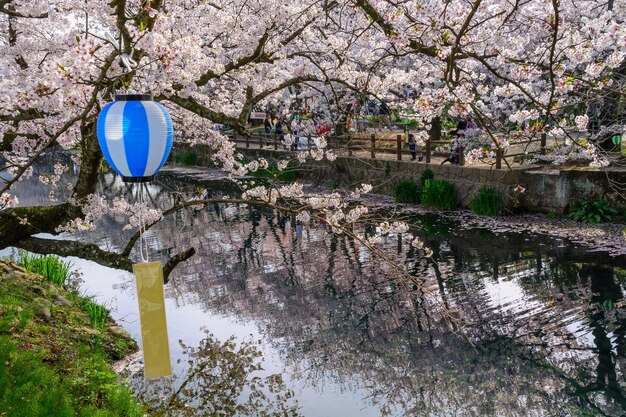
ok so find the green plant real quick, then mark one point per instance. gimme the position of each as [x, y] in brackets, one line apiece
[426, 175]
[553, 216]
[407, 191]
[593, 211]
[187, 158]
[487, 202]
[56, 368]
[49, 266]
[440, 194]
[97, 313]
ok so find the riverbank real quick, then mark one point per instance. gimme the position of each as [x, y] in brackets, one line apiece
[601, 237]
[549, 189]
[57, 351]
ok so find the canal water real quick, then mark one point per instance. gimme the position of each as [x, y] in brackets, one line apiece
[493, 324]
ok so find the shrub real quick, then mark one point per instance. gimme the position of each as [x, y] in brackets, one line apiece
[426, 175]
[593, 211]
[440, 194]
[187, 158]
[407, 191]
[49, 266]
[487, 202]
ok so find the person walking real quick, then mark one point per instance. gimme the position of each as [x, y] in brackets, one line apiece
[295, 131]
[412, 147]
[278, 129]
[267, 124]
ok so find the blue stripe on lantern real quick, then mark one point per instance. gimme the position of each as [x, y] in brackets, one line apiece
[110, 136]
[136, 137]
[101, 136]
[170, 134]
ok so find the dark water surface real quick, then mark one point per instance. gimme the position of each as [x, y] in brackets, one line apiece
[500, 324]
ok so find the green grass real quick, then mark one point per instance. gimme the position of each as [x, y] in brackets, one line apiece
[51, 267]
[439, 194]
[98, 314]
[187, 158]
[56, 368]
[593, 211]
[407, 191]
[487, 202]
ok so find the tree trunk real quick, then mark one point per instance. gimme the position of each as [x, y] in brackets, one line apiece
[435, 129]
[90, 164]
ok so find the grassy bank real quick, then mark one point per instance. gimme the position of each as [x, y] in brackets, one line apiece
[56, 355]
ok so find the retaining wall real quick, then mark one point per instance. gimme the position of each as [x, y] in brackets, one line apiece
[547, 190]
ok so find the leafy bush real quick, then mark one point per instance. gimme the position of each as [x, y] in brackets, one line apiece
[411, 123]
[487, 202]
[187, 158]
[50, 266]
[593, 211]
[426, 175]
[407, 191]
[440, 194]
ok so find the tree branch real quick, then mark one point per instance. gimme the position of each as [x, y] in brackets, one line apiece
[92, 252]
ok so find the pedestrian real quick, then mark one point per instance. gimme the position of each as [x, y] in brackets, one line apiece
[295, 132]
[412, 147]
[267, 124]
[278, 128]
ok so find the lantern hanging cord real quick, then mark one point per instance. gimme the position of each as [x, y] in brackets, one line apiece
[143, 243]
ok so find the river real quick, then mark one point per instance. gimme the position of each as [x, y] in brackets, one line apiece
[494, 323]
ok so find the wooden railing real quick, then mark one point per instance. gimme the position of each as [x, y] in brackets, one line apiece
[542, 149]
[376, 146]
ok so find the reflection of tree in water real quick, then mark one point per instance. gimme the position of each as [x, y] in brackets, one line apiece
[336, 314]
[220, 380]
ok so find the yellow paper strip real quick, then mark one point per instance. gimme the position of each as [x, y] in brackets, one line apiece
[151, 298]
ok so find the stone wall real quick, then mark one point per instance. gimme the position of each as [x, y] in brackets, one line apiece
[553, 190]
[547, 190]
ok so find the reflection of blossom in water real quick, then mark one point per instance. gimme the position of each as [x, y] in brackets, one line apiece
[482, 331]
[220, 378]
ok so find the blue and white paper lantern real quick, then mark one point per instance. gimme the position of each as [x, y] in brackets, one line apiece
[135, 135]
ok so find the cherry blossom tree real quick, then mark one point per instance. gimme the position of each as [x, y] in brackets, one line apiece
[537, 64]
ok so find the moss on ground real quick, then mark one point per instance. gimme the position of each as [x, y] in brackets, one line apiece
[53, 362]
